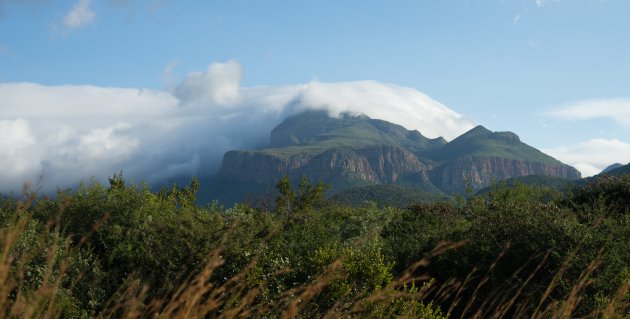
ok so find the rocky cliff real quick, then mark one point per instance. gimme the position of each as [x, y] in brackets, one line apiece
[480, 172]
[342, 167]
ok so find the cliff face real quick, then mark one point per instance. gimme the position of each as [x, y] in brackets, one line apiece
[482, 171]
[374, 165]
[378, 165]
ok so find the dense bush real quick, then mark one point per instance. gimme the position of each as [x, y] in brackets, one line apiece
[123, 250]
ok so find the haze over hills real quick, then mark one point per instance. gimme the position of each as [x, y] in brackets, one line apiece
[354, 150]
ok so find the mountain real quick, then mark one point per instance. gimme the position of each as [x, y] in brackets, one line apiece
[348, 151]
[617, 170]
[612, 167]
[354, 150]
[480, 157]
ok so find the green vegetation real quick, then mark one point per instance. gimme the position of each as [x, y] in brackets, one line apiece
[399, 196]
[124, 251]
[539, 181]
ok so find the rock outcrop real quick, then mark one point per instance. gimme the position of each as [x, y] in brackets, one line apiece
[374, 165]
[479, 172]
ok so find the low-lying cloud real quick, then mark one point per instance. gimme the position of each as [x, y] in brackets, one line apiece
[65, 134]
[592, 156]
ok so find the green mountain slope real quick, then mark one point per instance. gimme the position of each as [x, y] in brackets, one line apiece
[481, 142]
[314, 132]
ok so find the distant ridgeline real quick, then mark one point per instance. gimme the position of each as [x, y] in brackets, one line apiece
[357, 151]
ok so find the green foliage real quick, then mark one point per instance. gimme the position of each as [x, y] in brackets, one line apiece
[306, 197]
[523, 251]
[536, 181]
[412, 233]
[386, 195]
[611, 192]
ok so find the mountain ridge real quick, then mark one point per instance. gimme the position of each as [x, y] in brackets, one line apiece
[355, 150]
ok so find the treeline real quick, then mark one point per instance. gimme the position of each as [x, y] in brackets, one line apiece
[121, 250]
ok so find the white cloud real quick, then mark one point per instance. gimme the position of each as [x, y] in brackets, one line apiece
[617, 110]
[109, 141]
[219, 84]
[592, 156]
[17, 139]
[69, 133]
[397, 104]
[80, 15]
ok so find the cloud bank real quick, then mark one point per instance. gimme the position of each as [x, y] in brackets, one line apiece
[66, 134]
[592, 156]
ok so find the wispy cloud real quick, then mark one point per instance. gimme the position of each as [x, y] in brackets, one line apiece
[80, 15]
[592, 156]
[167, 77]
[516, 18]
[617, 110]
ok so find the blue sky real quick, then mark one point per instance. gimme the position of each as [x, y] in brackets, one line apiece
[553, 71]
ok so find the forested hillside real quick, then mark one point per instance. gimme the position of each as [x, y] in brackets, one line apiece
[121, 250]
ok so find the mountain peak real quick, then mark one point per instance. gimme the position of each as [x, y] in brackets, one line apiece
[304, 128]
[318, 131]
[481, 132]
[479, 129]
